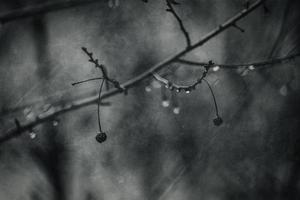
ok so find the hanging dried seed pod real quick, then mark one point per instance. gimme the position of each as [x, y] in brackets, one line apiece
[101, 137]
[218, 121]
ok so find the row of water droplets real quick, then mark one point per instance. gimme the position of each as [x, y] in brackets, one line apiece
[30, 114]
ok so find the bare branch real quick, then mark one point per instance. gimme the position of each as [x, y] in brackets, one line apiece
[188, 89]
[14, 132]
[256, 65]
[182, 28]
[179, 88]
[5, 112]
[41, 9]
[106, 78]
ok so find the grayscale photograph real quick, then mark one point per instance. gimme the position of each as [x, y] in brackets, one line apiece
[149, 100]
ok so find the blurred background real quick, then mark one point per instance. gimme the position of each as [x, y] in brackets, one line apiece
[160, 145]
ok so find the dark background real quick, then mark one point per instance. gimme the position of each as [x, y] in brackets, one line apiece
[151, 153]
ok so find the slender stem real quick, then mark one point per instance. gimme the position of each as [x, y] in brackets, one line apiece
[84, 81]
[14, 132]
[98, 106]
[213, 95]
[182, 28]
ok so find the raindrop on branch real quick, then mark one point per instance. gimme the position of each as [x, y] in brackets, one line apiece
[251, 67]
[148, 89]
[187, 91]
[156, 84]
[55, 123]
[176, 110]
[216, 68]
[165, 103]
[32, 135]
[283, 90]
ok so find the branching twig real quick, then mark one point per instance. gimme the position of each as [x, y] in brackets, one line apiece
[41, 9]
[14, 132]
[106, 78]
[182, 28]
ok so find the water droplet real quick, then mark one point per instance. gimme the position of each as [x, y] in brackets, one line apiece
[148, 89]
[32, 135]
[176, 110]
[156, 84]
[55, 123]
[165, 103]
[216, 68]
[29, 114]
[283, 90]
[251, 67]
[187, 91]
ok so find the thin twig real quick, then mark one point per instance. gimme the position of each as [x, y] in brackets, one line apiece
[182, 28]
[43, 8]
[132, 82]
[106, 78]
[88, 80]
[98, 106]
[260, 64]
[213, 95]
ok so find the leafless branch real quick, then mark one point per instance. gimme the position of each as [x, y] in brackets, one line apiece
[179, 88]
[189, 88]
[14, 132]
[106, 78]
[41, 9]
[5, 112]
[182, 28]
[256, 65]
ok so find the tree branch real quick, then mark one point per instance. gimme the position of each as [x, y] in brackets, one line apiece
[182, 28]
[186, 88]
[106, 78]
[34, 10]
[14, 132]
[256, 65]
